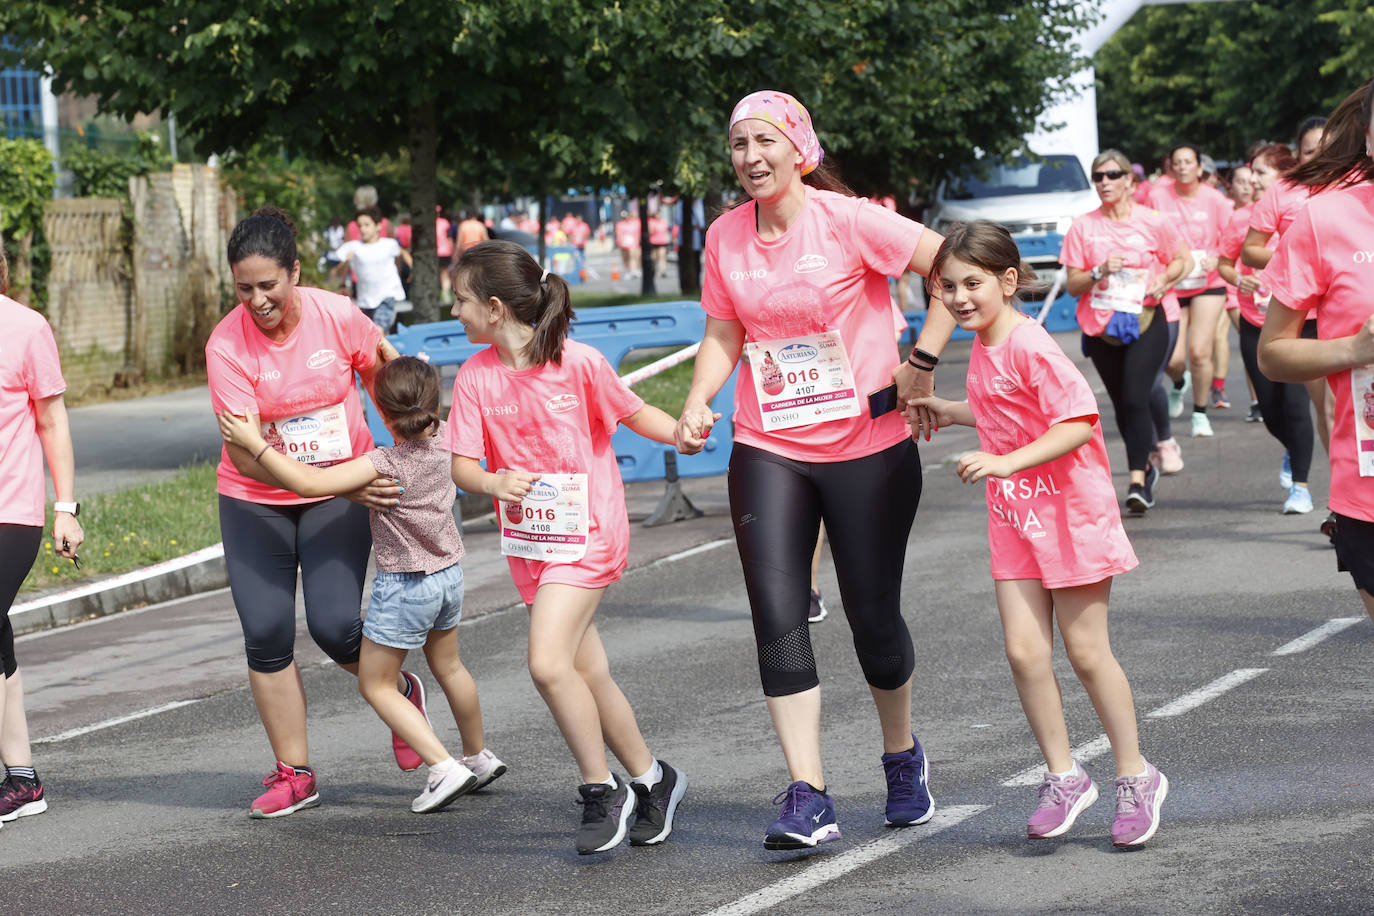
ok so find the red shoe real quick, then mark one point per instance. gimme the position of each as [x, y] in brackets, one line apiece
[406, 758]
[21, 797]
[287, 792]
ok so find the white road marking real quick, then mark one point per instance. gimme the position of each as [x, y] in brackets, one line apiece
[119, 720]
[138, 575]
[700, 548]
[1312, 637]
[828, 868]
[1203, 694]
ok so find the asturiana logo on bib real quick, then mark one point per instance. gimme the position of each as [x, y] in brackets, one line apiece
[809, 264]
[542, 490]
[319, 359]
[301, 426]
[797, 353]
[561, 402]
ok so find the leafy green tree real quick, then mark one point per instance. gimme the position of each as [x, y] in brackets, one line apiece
[26, 185]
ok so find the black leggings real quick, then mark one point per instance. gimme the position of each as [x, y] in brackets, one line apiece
[1128, 373]
[263, 546]
[18, 550]
[868, 505]
[1159, 395]
[1285, 406]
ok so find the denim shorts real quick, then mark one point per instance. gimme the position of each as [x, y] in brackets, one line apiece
[406, 606]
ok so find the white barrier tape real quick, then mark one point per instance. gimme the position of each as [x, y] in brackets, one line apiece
[660, 365]
[138, 575]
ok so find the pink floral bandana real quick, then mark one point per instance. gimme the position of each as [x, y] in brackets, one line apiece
[787, 115]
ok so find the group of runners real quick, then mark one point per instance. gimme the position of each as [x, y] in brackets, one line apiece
[826, 430]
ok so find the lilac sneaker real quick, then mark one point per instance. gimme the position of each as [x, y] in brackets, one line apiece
[1138, 799]
[908, 789]
[807, 818]
[1062, 799]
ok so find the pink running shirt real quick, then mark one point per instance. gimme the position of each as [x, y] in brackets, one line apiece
[1199, 221]
[1324, 263]
[1144, 239]
[1058, 522]
[1232, 241]
[311, 369]
[1276, 210]
[551, 419]
[829, 270]
[29, 372]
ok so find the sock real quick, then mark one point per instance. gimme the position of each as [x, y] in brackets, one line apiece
[25, 772]
[650, 777]
[1218, 385]
[302, 771]
[1202, 409]
[608, 781]
[814, 789]
[477, 759]
[442, 767]
[1066, 774]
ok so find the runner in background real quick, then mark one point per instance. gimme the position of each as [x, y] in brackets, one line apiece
[1284, 407]
[627, 240]
[471, 231]
[1241, 194]
[541, 409]
[1322, 264]
[375, 264]
[799, 269]
[443, 245]
[34, 428]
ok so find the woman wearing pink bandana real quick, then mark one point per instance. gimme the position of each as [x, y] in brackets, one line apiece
[799, 273]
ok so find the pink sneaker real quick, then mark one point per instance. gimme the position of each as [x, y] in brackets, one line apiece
[1138, 800]
[1170, 456]
[406, 758]
[287, 792]
[1062, 799]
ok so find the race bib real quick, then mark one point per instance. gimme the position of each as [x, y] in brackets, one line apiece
[1124, 292]
[1362, 402]
[1197, 277]
[1262, 297]
[802, 380]
[550, 523]
[318, 438]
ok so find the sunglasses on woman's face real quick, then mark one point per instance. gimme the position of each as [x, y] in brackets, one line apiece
[1109, 175]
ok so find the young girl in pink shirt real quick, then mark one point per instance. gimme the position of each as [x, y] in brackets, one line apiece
[417, 596]
[1054, 529]
[540, 409]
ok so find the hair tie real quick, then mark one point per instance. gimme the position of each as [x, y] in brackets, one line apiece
[544, 276]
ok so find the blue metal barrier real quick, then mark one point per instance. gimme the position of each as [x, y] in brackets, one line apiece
[615, 331]
[1060, 318]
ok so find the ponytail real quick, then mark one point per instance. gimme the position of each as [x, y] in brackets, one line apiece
[555, 318]
[542, 300]
[1342, 160]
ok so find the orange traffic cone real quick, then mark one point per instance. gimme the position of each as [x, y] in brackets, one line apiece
[615, 275]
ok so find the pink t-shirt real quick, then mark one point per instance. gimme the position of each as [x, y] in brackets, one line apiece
[828, 271]
[1324, 262]
[1198, 220]
[1232, 241]
[551, 419]
[1060, 518]
[420, 534]
[1276, 210]
[1144, 240]
[658, 230]
[627, 233]
[312, 369]
[443, 244]
[29, 372]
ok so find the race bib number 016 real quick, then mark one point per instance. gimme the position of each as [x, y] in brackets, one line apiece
[802, 380]
[318, 438]
[550, 523]
[1362, 402]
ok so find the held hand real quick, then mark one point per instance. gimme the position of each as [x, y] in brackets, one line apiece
[383, 494]
[934, 413]
[1362, 343]
[974, 466]
[694, 428]
[66, 535]
[511, 486]
[243, 431]
[912, 383]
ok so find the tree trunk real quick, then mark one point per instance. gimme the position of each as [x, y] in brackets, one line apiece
[424, 193]
[688, 270]
[646, 253]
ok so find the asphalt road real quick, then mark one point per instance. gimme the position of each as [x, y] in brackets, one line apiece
[1268, 754]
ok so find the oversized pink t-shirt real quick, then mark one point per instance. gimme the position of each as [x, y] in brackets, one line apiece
[551, 419]
[1325, 262]
[29, 372]
[1144, 240]
[1058, 522]
[1198, 220]
[310, 370]
[828, 271]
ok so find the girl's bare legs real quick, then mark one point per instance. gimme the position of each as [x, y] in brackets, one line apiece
[441, 651]
[378, 668]
[574, 679]
[1082, 615]
[1026, 608]
[1201, 335]
[14, 727]
[797, 720]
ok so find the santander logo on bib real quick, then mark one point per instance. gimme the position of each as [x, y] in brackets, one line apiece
[809, 264]
[797, 353]
[562, 402]
[320, 359]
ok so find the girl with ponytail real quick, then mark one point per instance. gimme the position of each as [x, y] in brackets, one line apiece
[417, 597]
[540, 409]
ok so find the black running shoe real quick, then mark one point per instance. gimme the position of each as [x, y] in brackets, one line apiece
[655, 807]
[1138, 499]
[21, 796]
[1328, 527]
[606, 814]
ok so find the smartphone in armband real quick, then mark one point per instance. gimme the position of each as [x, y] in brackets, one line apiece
[882, 401]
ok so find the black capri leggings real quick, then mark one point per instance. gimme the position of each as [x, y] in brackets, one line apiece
[18, 549]
[1128, 373]
[868, 505]
[1285, 406]
[263, 546]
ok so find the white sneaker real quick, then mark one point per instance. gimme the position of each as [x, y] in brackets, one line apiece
[1299, 501]
[441, 790]
[486, 766]
[1202, 427]
[1286, 472]
[1170, 456]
